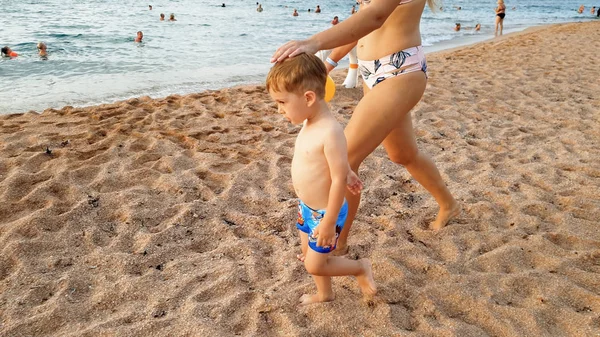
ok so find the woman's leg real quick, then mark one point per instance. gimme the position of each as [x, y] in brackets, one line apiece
[497, 23]
[501, 25]
[401, 147]
[380, 111]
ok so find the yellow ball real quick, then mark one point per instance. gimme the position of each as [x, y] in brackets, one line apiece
[329, 89]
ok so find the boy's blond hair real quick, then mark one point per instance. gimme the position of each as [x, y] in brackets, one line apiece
[298, 74]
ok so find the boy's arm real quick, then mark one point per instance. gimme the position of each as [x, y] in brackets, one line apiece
[337, 158]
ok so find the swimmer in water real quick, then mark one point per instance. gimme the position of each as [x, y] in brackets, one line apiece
[139, 36]
[162, 16]
[41, 46]
[172, 17]
[6, 51]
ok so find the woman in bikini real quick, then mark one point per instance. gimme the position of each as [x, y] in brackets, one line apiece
[392, 63]
[500, 14]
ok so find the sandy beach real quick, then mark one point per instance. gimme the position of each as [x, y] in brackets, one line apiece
[176, 216]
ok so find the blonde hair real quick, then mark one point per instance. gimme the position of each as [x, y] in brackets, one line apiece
[41, 45]
[298, 74]
[432, 4]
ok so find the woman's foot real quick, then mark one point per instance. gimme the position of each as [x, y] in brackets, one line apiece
[366, 282]
[316, 298]
[445, 215]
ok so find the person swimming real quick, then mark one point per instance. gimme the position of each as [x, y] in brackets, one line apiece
[6, 51]
[41, 46]
[162, 16]
[139, 36]
[457, 27]
[259, 8]
[172, 17]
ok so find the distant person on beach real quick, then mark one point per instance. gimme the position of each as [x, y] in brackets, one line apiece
[295, 12]
[477, 27]
[309, 10]
[162, 16]
[458, 8]
[457, 27]
[7, 52]
[335, 20]
[581, 9]
[318, 10]
[500, 14]
[139, 36]
[41, 46]
[394, 70]
[172, 17]
[149, 7]
[598, 13]
[353, 10]
[223, 5]
[593, 10]
[259, 8]
[319, 170]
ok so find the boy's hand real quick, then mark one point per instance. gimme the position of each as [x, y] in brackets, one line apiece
[325, 235]
[353, 183]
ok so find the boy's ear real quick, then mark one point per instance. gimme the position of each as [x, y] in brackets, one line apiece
[310, 97]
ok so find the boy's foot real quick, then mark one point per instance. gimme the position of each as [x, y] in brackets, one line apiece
[365, 280]
[316, 298]
[340, 250]
[444, 216]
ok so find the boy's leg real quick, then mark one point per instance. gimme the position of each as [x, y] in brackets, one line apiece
[303, 245]
[324, 291]
[325, 265]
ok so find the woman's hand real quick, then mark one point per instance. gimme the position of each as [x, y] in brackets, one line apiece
[293, 48]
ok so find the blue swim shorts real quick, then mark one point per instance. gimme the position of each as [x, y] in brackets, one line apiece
[309, 219]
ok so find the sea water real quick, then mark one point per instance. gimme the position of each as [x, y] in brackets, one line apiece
[93, 58]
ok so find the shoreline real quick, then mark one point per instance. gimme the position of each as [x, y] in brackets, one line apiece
[442, 47]
[176, 215]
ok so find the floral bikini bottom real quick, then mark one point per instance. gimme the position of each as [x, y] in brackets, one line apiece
[402, 62]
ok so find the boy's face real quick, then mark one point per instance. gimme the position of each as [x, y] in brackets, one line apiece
[294, 106]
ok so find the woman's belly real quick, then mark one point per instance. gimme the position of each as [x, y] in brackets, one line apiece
[381, 43]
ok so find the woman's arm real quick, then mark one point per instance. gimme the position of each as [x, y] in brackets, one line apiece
[366, 20]
[338, 53]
